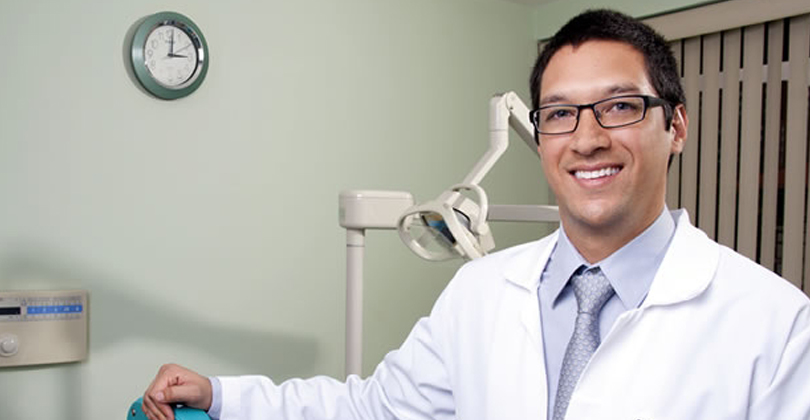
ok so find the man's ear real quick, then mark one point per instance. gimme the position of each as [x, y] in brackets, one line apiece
[679, 128]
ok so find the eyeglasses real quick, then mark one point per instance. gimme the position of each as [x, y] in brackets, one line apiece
[618, 111]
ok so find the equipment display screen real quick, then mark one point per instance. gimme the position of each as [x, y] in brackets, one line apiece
[15, 310]
[54, 309]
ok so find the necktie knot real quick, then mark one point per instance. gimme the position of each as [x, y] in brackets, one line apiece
[592, 290]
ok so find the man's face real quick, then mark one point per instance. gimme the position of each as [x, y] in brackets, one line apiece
[608, 182]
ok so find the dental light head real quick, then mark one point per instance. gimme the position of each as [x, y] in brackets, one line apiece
[454, 225]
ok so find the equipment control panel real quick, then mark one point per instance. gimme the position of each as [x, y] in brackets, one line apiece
[40, 327]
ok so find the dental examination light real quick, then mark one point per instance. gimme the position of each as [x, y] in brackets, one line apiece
[441, 230]
[451, 226]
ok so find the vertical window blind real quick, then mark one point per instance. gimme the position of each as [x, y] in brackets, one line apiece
[743, 174]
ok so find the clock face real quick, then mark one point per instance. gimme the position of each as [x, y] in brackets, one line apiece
[170, 55]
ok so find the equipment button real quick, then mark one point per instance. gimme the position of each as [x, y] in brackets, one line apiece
[8, 345]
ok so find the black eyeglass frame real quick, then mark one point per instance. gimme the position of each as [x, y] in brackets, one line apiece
[649, 102]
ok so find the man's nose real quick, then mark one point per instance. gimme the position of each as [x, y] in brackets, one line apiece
[589, 135]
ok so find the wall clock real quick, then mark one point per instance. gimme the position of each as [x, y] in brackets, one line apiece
[169, 55]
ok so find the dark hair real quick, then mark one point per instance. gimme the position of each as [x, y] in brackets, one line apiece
[608, 25]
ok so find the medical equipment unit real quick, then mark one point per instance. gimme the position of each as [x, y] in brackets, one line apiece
[42, 327]
[451, 226]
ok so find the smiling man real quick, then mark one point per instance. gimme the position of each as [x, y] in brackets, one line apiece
[627, 312]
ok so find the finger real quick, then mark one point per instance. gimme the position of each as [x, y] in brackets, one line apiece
[188, 394]
[147, 404]
[152, 416]
[163, 410]
[158, 410]
[154, 411]
[167, 411]
[148, 407]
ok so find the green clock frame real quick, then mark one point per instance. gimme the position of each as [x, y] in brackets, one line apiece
[143, 74]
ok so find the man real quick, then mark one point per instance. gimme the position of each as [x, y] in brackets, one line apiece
[627, 312]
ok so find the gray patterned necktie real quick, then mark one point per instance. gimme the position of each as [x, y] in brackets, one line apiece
[592, 290]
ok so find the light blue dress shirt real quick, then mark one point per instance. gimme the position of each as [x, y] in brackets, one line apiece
[630, 271]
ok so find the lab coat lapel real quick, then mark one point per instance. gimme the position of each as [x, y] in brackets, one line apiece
[524, 270]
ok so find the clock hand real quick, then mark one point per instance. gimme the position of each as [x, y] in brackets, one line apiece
[171, 44]
[187, 45]
[177, 56]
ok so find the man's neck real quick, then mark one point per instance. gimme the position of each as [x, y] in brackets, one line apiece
[595, 243]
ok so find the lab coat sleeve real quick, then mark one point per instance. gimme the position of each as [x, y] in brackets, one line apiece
[788, 394]
[410, 383]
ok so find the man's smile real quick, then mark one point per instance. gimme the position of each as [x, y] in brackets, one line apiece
[596, 173]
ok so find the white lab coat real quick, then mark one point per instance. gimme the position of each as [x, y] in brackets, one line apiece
[718, 337]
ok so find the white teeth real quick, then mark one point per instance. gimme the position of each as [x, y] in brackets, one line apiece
[597, 173]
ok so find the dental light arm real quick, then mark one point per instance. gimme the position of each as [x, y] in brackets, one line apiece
[505, 110]
[454, 224]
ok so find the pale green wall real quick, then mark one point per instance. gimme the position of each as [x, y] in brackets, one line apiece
[550, 17]
[205, 229]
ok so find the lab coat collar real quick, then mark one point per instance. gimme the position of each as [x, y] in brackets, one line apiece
[525, 267]
[680, 276]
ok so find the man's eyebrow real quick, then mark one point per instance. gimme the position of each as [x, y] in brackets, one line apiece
[612, 90]
[623, 88]
[551, 98]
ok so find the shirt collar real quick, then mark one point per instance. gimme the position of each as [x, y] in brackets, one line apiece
[630, 270]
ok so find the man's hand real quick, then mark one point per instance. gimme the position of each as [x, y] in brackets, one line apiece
[175, 385]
